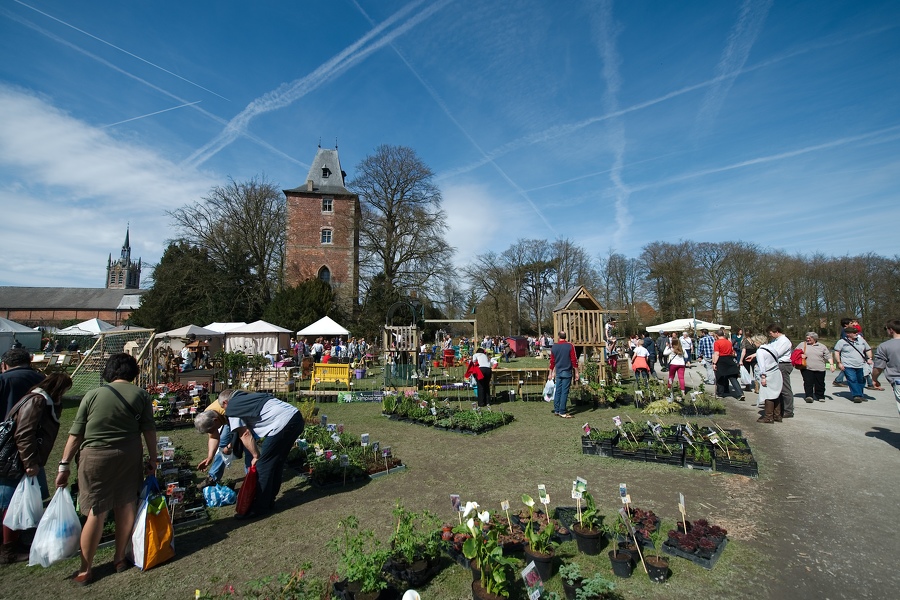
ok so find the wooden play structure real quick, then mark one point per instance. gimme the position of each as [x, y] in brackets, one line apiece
[581, 317]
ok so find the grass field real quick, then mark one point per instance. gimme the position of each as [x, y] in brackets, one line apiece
[537, 448]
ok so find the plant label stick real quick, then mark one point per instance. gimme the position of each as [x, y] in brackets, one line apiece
[681, 508]
[504, 506]
[627, 519]
[545, 500]
[364, 440]
[457, 506]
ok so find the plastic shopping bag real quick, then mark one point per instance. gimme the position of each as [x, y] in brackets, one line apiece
[227, 459]
[219, 495]
[247, 494]
[153, 538]
[58, 534]
[549, 390]
[746, 377]
[25, 506]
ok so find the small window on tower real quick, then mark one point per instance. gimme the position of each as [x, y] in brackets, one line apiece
[326, 172]
[326, 236]
[325, 275]
[327, 205]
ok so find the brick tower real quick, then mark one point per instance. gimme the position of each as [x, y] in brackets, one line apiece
[323, 230]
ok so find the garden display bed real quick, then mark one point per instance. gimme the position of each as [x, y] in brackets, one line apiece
[702, 545]
[318, 456]
[424, 409]
[685, 445]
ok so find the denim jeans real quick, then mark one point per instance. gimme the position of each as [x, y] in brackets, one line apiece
[855, 379]
[561, 397]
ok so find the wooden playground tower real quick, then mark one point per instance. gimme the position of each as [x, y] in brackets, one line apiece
[581, 317]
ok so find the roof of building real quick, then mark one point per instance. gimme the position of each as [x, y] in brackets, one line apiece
[54, 298]
[325, 174]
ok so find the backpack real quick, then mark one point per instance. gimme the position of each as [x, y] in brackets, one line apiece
[797, 359]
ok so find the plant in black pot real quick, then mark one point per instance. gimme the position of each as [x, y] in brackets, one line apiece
[589, 528]
[540, 542]
[496, 572]
[621, 560]
[415, 545]
[571, 576]
[360, 559]
[657, 566]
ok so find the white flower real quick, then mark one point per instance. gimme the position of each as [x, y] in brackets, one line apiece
[528, 500]
[470, 506]
[484, 517]
[471, 525]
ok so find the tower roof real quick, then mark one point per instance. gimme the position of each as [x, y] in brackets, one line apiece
[325, 175]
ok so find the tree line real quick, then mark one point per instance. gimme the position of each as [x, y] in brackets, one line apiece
[226, 263]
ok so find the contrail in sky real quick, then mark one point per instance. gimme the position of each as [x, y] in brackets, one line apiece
[102, 41]
[558, 131]
[122, 71]
[771, 158]
[443, 106]
[149, 114]
[731, 63]
[288, 93]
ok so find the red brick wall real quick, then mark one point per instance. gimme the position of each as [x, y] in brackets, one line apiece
[305, 254]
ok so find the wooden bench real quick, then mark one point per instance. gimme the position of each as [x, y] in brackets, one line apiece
[330, 373]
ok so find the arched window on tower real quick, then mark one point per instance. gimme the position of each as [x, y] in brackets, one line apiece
[325, 275]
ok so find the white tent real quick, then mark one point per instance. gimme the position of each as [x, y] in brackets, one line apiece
[258, 337]
[89, 327]
[11, 332]
[188, 330]
[324, 326]
[224, 327]
[685, 324]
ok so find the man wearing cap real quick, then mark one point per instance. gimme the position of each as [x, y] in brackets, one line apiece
[887, 359]
[851, 355]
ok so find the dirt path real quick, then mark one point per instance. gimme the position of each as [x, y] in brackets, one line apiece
[831, 495]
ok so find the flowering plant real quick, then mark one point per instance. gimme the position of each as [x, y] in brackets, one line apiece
[539, 538]
[497, 571]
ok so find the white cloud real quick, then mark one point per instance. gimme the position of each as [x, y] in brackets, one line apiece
[73, 188]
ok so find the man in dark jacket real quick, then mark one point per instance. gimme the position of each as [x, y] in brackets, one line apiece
[650, 345]
[16, 378]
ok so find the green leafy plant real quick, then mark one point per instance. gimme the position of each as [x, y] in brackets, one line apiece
[361, 557]
[571, 573]
[662, 407]
[596, 587]
[416, 535]
[497, 571]
[590, 515]
[540, 539]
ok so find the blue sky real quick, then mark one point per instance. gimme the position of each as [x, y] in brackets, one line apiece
[613, 124]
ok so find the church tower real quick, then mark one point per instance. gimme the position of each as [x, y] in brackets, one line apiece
[123, 274]
[323, 230]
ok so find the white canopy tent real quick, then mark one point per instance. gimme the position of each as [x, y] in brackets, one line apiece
[224, 327]
[685, 324]
[89, 327]
[11, 332]
[324, 326]
[188, 330]
[258, 337]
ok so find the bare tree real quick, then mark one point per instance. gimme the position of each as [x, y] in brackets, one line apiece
[241, 226]
[403, 228]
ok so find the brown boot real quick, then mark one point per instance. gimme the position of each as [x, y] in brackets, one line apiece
[9, 554]
[769, 417]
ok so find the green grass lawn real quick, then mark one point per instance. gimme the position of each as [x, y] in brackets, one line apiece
[501, 465]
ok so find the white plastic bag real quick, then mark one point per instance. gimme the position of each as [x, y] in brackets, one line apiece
[59, 532]
[549, 390]
[25, 506]
[226, 458]
[746, 377]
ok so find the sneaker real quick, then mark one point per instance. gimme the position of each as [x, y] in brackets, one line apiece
[809, 400]
[839, 384]
[788, 415]
[742, 398]
[857, 399]
[820, 399]
[206, 483]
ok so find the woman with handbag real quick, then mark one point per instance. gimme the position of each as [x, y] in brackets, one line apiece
[37, 424]
[816, 357]
[107, 430]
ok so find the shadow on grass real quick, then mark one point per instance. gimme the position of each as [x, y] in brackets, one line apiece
[885, 435]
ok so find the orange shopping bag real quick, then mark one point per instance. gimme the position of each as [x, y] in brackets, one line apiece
[153, 538]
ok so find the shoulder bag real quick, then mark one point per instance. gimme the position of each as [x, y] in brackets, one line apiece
[10, 462]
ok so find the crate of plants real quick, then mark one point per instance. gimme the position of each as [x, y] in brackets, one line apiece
[698, 455]
[328, 456]
[442, 415]
[665, 453]
[701, 544]
[644, 521]
[733, 455]
[599, 442]
[628, 449]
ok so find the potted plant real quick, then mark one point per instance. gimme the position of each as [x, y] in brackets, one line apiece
[657, 566]
[361, 559]
[539, 540]
[597, 587]
[571, 576]
[415, 544]
[589, 529]
[620, 559]
[496, 572]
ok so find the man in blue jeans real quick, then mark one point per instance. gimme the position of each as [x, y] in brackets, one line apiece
[851, 355]
[563, 367]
